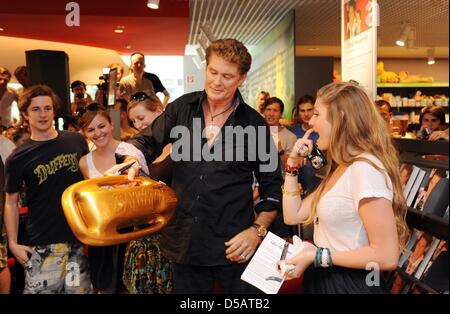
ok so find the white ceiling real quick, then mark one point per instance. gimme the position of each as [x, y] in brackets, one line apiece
[318, 24]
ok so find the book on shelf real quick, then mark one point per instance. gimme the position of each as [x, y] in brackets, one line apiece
[424, 188]
[416, 254]
[436, 197]
[421, 173]
[408, 176]
[435, 272]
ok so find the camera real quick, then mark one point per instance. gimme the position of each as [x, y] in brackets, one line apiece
[317, 158]
[425, 134]
[103, 83]
[79, 96]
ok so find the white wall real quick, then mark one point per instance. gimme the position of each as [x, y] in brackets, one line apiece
[194, 78]
[85, 63]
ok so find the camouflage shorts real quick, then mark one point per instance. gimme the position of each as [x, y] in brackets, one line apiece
[57, 268]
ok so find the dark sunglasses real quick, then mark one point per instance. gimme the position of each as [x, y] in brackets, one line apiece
[91, 107]
[139, 96]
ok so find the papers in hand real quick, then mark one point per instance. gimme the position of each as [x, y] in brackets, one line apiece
[262, 272]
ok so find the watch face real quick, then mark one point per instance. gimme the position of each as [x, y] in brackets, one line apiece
[263, 231]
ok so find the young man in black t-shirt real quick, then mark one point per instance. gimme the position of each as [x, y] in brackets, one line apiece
[48, 163]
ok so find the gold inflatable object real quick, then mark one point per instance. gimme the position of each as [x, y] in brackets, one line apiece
[112, 210]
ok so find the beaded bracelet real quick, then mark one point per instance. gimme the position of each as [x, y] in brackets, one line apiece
[318, 257]
[291, 170]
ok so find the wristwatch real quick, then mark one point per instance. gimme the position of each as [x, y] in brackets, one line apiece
[261, 230]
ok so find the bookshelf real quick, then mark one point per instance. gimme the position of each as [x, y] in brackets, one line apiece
[432, 224]
[412, 85]
[416, 263]
[400, 91]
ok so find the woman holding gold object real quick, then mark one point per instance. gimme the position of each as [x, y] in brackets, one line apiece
[358, 210]
[106, 262]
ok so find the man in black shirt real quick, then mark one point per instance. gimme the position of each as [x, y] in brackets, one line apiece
[215, 229]
[47, 163]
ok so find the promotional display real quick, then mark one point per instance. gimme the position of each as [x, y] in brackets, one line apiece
[359, 42]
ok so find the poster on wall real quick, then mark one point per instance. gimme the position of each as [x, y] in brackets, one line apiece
[359, 42]
[273, 64]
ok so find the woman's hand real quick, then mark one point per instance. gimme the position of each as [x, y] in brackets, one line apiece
[301, 262]
[132, 171]
[301, 149]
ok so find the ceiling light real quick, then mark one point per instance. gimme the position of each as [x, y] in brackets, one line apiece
[119, 29]
[1, 29]
[403, 36]
[127, 46]
[430, 54]
[153, 4]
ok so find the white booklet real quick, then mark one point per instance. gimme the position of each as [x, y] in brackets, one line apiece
[261, 271]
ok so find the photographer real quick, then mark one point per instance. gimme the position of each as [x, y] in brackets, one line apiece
[81, 98]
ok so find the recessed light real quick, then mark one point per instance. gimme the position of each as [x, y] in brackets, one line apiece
[1, 29]
[119, 29]
[153, 4]
[127, 46]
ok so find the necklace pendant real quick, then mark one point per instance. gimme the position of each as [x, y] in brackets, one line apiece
[211, 131]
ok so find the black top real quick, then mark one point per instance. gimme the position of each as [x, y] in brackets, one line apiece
[215, 199]
[157, 85]
[47, 168]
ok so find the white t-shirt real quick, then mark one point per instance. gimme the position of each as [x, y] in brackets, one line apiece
[339, 226]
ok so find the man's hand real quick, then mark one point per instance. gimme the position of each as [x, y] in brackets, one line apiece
[242, 246]
[132, 171]
[437, 135]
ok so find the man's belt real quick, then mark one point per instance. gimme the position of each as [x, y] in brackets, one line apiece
[112, 210]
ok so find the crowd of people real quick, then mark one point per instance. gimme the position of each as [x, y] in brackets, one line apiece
[225, 207]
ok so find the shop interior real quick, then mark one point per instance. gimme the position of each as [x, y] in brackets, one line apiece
[296, 47]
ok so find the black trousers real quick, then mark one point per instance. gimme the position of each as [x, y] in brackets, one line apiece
[192, 279]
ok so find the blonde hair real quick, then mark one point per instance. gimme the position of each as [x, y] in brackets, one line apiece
[356, 123]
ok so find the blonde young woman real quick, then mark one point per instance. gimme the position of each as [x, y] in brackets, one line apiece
[359, 210]
[106, 262]
[146, 269]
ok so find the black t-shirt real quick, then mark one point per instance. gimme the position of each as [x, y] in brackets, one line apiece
[47, 168]
[157, 85]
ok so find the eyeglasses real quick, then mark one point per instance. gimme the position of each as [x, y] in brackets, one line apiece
[91, 107]
[139, 96]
